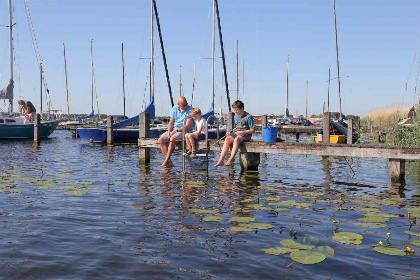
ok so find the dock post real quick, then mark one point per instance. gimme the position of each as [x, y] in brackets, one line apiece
[397, 169]
[144, 132]
[350, 131]
[326, 128]
[264, 123]
[249, 161]
[37, 127]
[110, 130]
[230, 122]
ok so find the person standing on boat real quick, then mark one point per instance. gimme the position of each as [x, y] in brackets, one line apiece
[242, 131]
[27, 109]
[176, 123]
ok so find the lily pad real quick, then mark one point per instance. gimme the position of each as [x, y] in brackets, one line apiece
[326, 250]
[348, 237]
[257, 225]
[307, 257]
[75, 193]
[236, 229]
[11, 190]
[212, 219]
[203, 211]
[412, 233]
[259, 207]
[85, 183]
[281, 209]
[272, 198]
[290, 243]
[242, 219]
[310, 240]
[416, 243]
[43, 187]
[389, 251]
[279, 251]
[373, 219]
[370, 225]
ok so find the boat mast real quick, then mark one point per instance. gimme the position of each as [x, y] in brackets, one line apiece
[287, 88]
[122, 56]
[91, 67]
[213, 50]
[40, 94]
[307, 85]
[67, 84]
[193, 87]
[237, 69]
[11, 55]
[329, 82]
[180, 80]
[338, 64]
[152, 65]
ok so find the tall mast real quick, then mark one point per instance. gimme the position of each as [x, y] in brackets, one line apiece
[67, 84]
[40, 94]
[338, 64]
[152, 65]
[91, 66]
[329, 82]
[307, 86]
[193, 87]
[213, 50]
[237, 69]
[287, 87]
[180, 80]
[11, 54]
[122, 57]
[243, 75]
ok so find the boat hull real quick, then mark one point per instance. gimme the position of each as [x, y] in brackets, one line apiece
[26, 131]
[99, 135]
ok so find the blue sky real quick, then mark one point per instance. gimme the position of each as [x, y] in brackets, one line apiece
[377, 43]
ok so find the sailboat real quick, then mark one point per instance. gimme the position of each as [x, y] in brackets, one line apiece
[18, 127]
[121, 133]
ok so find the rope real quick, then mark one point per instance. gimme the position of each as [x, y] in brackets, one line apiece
[412, 64]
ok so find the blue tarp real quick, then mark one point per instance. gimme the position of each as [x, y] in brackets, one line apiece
[88, 116]
[209, 113]
[150, 109]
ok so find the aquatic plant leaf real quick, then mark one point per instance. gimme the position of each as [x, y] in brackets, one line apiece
[367, 209]
[416, 243]
[326, 250]
[118, 183]
[389, 251]
[256, 225]
[370, 225]
[279, 251]
[259, 207]
[75, 192]
[11, 190]
[281, 209]
[373, 219]
[242, 219]
[290, 243]
[307, 257]
[310, 240]
[291, 203]
[236, 229]
[203, 211]
[212, 219]
[243, 210]
[246, 200]
[348, 237]
[412, 233]
[43, 187]
[85, 183]
[272, 198]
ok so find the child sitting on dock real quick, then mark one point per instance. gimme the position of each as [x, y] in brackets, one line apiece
[199, 134]
[242, 132]
[27, 110]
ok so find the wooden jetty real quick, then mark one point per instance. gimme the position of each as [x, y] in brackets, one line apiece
[250, 151]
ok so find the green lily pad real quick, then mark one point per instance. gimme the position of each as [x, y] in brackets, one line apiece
[246, 200]
[348, 237]
[373, 219]
[416, 243]
[307, 257]
[272, 198]
[203, 211]
[326, 250]
[85, 183]
[290, 243]
[242, 219]
[389, 251]
[118, 183]
[310, 240]
[412, 233]
[281, 209]
[43, 187]
[257, 225]
[259, 207]
[236, 229]
[370, 225]
[366, 209]
[75, 193]
[279, 251]
[11, 190]
[212, 219]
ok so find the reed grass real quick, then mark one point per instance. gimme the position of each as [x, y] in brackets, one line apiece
[387, 117]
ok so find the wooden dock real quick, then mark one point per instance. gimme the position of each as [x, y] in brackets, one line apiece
[299, 129]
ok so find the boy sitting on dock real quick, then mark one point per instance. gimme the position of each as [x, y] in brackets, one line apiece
[176, 123]
[199, 134]
[242, 131]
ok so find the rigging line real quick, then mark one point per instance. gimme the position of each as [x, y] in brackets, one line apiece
[412, 64]
[207, 26]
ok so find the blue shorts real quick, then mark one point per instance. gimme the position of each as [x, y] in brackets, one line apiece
[246, 136]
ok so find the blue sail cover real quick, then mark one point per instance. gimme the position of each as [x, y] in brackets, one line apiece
[209, 113]
[150, 109]
[88, 116]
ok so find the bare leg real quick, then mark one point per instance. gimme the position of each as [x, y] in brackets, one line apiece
[163, 146]
[229, 140]
[171, 149]
[238, 140]
[193, 137]
[188, 141]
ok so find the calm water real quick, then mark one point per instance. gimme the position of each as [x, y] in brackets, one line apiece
[73, 210]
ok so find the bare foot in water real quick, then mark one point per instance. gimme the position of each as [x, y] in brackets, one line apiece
[228, 163]
[167, 163]
[219, 163]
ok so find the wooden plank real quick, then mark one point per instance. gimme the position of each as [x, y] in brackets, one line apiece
[365, 151]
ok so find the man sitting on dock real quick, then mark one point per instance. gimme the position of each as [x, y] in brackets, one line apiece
[242, 131]
[176, 123]
[27, 109]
